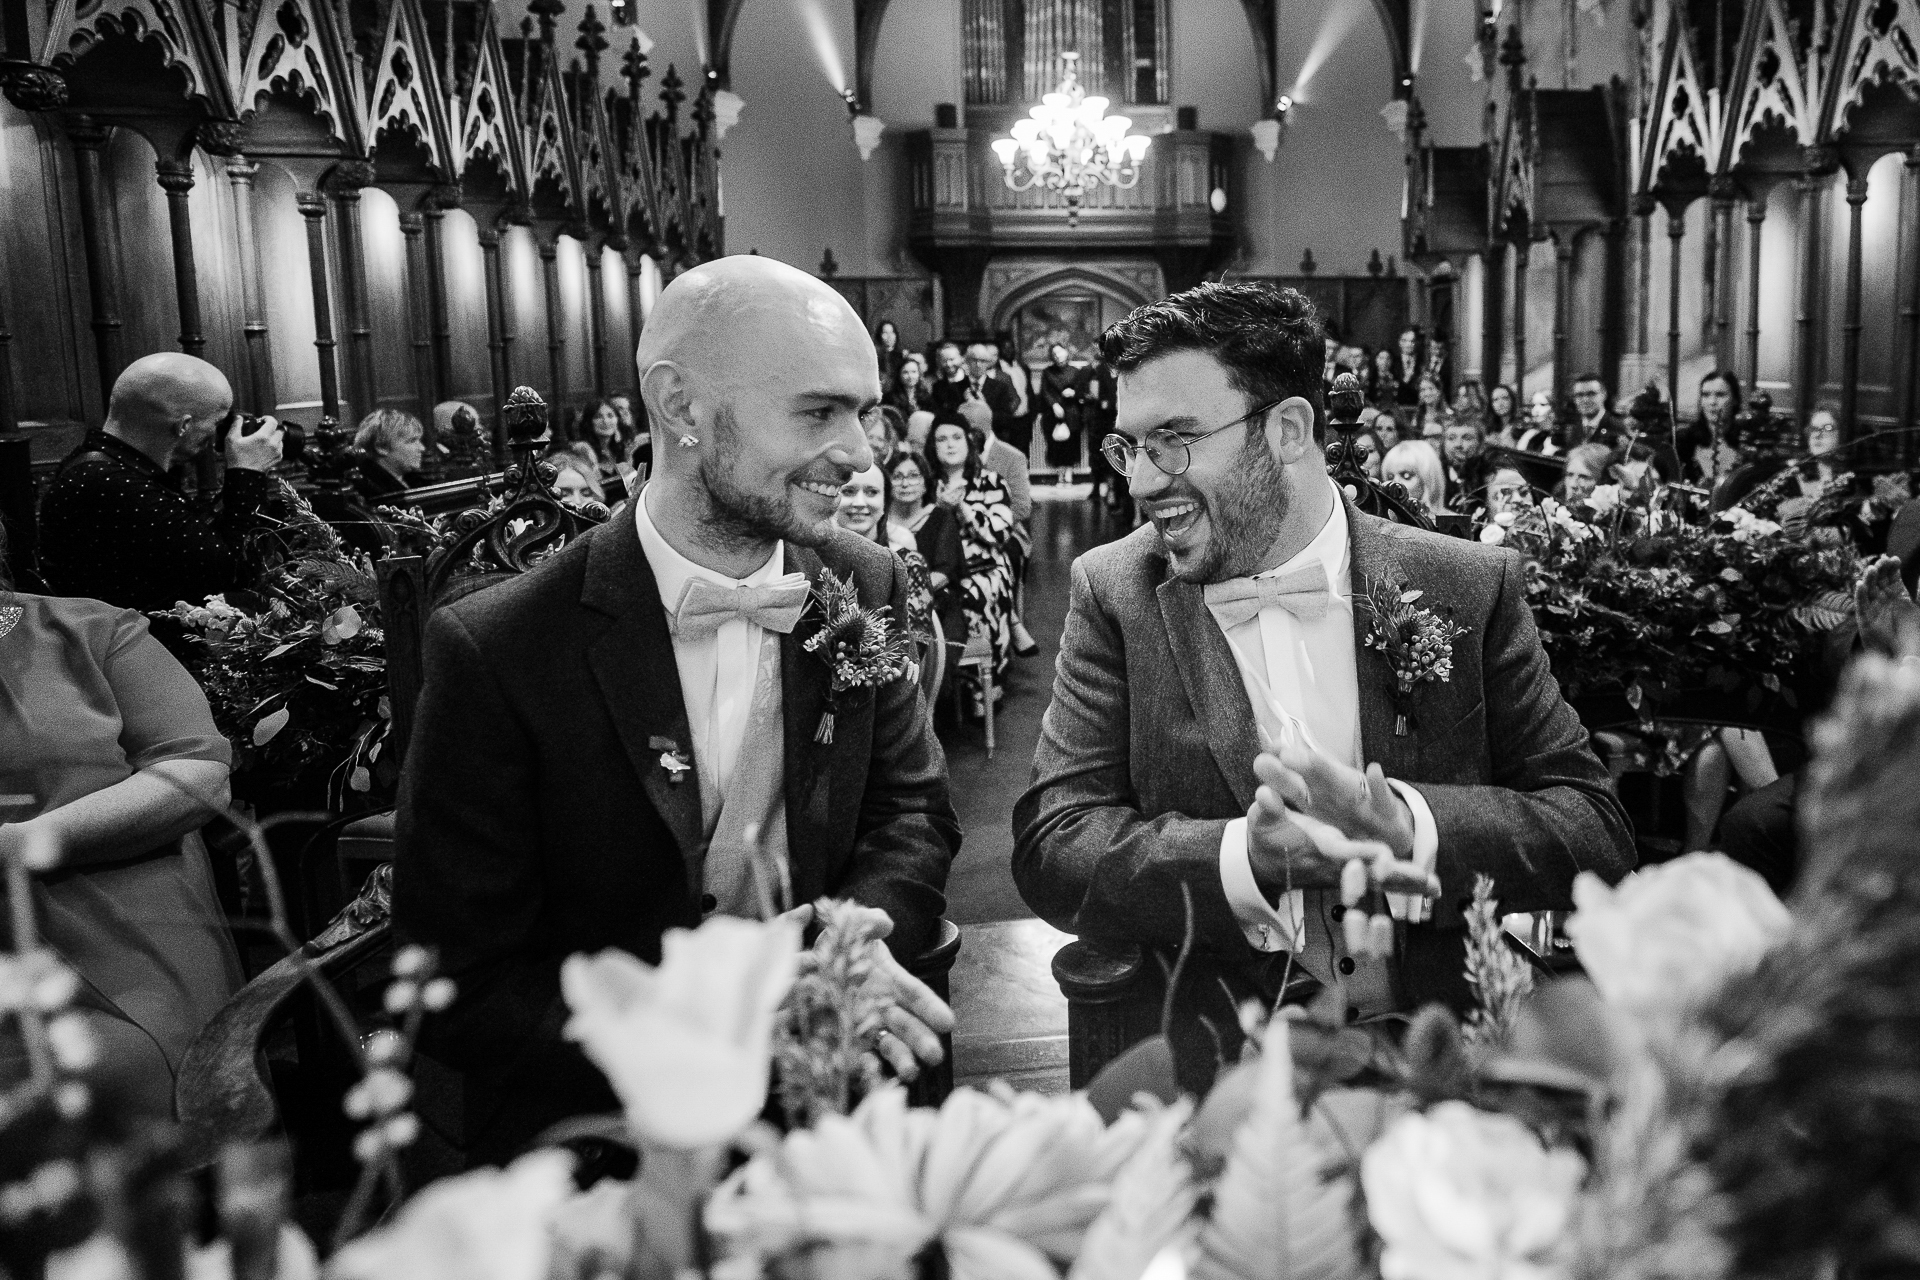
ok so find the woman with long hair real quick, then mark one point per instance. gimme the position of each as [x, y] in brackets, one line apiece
[909, 392]
[978, 499]
[889, 352]
[1502, 415]
[1415, 466]
[1434, 416]
[1706, 450]
[936, 535]
[1380, 379]
[598, 427]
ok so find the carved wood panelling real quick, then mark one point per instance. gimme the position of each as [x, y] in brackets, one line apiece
[487, 115]
[297, 50]
[179, 29]
[1772, 82]
[406, 95]
[1686, 120]
[1878, 42]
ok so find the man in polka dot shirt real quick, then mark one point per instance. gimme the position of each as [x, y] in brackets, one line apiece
[115, 526]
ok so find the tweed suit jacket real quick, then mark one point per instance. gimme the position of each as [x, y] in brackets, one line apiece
[536, 819]
[1147, 750]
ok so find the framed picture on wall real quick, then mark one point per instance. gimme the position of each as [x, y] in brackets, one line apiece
[1070, 318]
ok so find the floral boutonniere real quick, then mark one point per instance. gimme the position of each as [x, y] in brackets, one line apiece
[861, 647]
[675, 761]
[1417, 643]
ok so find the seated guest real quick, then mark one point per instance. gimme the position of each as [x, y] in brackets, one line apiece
[598, 428]
[891, 355]
[1507, 491]
[978, 377]
[1469, 401]
[1593, 422]
[1383, 384]
[919, 427]
[909, 392]
[1208, 734]
[540, 814]
[936, 536]
[1415, 466]
[1706, 448]
[1537, 433]
[1463, 450]
[863, 510]
[1386, 425]
[1819, 467]
[113, 743]
[391, 445]
[575, 481]
[1371, 454]
[1432, 413]
[1587, 467]
[1502, 416]
[979, 501]
[885, 430]
[114, 524]
[1018, 430]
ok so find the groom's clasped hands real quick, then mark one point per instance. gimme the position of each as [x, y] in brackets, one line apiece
[1313, 815]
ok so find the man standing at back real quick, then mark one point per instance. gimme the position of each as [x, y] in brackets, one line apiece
[632, 736]
[1222, 730]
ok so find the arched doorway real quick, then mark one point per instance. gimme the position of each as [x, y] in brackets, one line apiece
[1072, 305]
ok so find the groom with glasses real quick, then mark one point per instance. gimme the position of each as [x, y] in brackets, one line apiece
[1222, 731]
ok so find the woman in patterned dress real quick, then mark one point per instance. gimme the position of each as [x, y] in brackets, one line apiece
[978, 499]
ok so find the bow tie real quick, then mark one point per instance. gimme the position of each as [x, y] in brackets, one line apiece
[1302, 592]
[705, 606]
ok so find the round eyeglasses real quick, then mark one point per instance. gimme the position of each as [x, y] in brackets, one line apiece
[1167, 449]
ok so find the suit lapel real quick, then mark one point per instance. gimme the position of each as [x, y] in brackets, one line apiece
[803, 700]
[1214, 688]
[1373, 560]
[634, 666]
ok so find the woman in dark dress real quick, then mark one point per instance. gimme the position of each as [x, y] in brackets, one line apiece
[1707, 453]
[112, 745]
[886, 345]
[1063, 398]
[936, 535]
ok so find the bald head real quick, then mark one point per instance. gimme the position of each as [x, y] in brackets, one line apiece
[167, 404]
[757, 377]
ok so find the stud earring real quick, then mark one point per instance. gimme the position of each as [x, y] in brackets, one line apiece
[687, 442]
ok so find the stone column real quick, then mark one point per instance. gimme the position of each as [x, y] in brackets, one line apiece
[556, 336]
[439, 318]
[1676, 235]
[1850, 332]
[1756, 221]
[1521, 253]
[413, 226]
[496, 335]
[261, 394]
[313, 207]
[345, 183]
[1722, 194]
[1562, 311]
[1819, 165]
[597, 319]
[176, 179]
[100, 237]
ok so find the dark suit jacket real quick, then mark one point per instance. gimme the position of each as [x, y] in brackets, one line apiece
[994, 389]
[1147, 751]
[536, 821]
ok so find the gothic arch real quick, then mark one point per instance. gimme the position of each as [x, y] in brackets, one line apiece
[1123, 287]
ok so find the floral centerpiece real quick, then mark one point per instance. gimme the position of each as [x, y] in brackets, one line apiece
[1633, 599]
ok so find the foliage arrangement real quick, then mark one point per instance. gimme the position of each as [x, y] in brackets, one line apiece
[862, 647]
[295, 671]
[1633, 599]
[1416, 642]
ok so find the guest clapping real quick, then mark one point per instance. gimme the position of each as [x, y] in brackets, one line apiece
[115, 745]
[979, 502]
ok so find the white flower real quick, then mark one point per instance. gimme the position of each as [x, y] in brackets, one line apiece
[1505, 519]
[1493, 535]
[342, 624]
[492, 1224]
[1604, 498]
[1463, 1194]
[1005, 1183]
[686, 1045]
[1669, 935]
[1746, 526]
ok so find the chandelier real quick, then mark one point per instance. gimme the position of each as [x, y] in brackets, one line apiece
[1069, 143]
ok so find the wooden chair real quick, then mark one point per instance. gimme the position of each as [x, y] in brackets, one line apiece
[978, 655]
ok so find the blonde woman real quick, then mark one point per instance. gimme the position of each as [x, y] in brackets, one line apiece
[1415, 466]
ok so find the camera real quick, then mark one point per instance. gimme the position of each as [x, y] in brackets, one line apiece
[293, 437]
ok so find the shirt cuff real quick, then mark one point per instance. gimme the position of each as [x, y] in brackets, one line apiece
[1410, 907]
[1265, 928]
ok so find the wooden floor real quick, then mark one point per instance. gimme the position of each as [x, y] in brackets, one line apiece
[1012, 1019]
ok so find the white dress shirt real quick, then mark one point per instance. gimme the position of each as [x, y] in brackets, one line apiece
[717, 672]
[1302, 680]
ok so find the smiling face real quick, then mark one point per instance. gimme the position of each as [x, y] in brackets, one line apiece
[889, 336]
[910, 374]
[950, 446]
[1430, 396]
[909, 486]
[950, 362]
[862, 499]
[606, 422]
[879, 437]
[1218, 518]
[1589, 398]
[1461, 442]
[980, 361]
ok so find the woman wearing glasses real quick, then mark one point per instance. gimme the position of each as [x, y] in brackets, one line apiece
[979, 502]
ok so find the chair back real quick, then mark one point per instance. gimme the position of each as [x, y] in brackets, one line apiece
[515, 530]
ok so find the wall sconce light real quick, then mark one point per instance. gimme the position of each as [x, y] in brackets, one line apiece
[1268, 133]
[866, 133]
[852, 100]
[1395, 114]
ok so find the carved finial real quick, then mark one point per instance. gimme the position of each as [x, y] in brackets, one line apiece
[633, 66]
[829, 267]
[525, 416]
[548, 12]
[672, 92]
[330, 455]
[592, 41]
[1374, 265]
[1307, 265]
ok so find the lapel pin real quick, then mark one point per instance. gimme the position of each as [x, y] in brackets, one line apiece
[672, 758]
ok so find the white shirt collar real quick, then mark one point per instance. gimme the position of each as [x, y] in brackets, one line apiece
[1330, 547]
[672, 571]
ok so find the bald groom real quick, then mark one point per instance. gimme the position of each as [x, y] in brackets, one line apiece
[623, 740]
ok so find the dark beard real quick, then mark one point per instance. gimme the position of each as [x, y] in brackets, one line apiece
[743, 518]
[1247, 513]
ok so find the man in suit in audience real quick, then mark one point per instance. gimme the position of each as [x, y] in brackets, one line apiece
[632, 737]
[976, 378]
[1222, 733]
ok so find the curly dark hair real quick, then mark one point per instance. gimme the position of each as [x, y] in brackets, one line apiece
[1270, 339]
